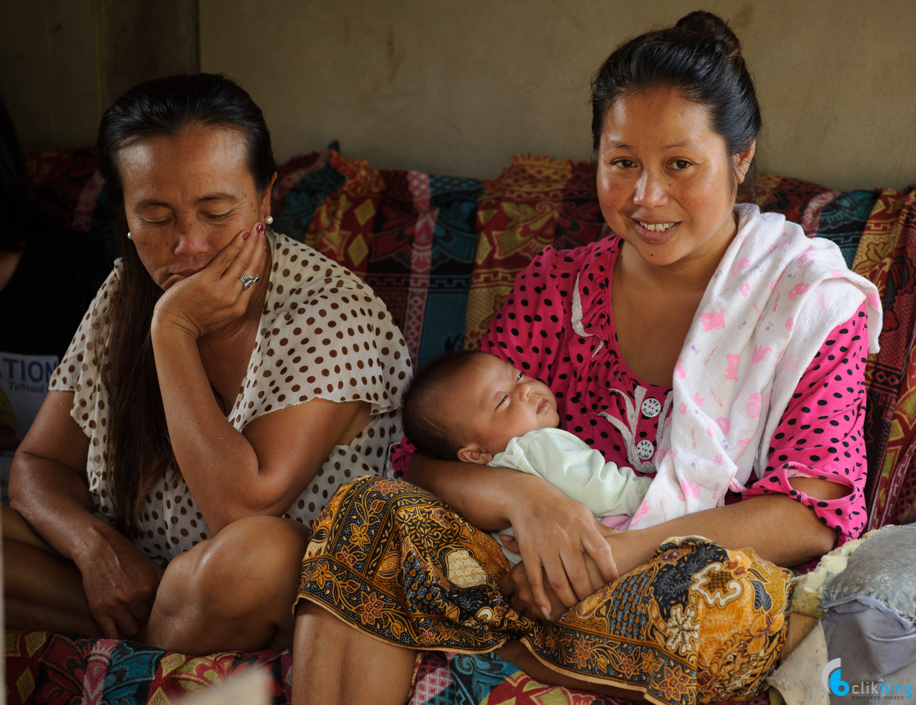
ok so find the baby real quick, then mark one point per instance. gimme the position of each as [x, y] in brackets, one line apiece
[474, 407]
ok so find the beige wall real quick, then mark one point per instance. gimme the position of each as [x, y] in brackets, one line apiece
[457, 86]
[48, 71]
[62, 62]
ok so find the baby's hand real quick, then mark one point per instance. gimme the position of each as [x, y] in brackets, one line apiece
[515, 586]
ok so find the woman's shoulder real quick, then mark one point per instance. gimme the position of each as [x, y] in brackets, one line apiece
[550, 279]
[305, 286]
[298, 266]
[570, 262]
[84, 354]
[328, 335]
[531, 327]
[97, 319]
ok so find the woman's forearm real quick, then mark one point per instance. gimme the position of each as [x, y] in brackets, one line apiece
[56, 504]
[480, 493]
[209, 450]
[233, 474]
[777, 527]
[48, 485]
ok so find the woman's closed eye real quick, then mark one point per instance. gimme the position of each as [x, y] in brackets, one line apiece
[163, 221]
[218, 216]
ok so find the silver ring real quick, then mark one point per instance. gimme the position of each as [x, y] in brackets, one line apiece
[247, 280]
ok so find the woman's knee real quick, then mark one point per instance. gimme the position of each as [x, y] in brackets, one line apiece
[243, 565]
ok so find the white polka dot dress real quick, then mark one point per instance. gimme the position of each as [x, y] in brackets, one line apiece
[323, 334]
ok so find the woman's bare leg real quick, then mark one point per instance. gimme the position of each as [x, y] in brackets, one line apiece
[42, 589]
[515, 653]
[234, 592]
[336, 665]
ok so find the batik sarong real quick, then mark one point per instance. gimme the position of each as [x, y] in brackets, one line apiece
[696, 624]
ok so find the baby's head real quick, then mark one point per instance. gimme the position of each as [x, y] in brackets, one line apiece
[469, 405]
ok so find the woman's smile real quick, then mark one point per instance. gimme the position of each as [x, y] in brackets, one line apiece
[655, 233]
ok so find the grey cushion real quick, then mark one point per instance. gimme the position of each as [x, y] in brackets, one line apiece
[883, 567]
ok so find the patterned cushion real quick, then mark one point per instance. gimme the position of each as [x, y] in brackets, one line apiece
[59, 669]
[411, 236]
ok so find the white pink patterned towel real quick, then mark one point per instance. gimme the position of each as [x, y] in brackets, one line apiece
[769, 307]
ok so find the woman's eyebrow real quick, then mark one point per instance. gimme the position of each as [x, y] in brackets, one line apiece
[222, 196]
[152, 202]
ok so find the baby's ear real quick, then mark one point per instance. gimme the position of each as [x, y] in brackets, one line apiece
[473, 453]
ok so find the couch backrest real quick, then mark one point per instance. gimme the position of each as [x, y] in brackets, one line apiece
[443, 253]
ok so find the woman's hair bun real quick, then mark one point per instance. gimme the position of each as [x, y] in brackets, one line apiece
[712, 25]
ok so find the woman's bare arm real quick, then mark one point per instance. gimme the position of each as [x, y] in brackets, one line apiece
[48, 489]
[777, 527]
[233, 474]
[48, 478]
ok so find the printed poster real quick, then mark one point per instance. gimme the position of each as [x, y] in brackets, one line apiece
[24, 383]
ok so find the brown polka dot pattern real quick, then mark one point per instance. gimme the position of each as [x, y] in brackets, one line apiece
[323, 334]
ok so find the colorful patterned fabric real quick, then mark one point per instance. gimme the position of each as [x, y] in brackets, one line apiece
[697, 624]
[411, 237]
[441, 678]
[887, 256]
[535, 202]
[483, 233]
[62, 668]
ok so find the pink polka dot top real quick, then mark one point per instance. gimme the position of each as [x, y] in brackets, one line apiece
[820, 434]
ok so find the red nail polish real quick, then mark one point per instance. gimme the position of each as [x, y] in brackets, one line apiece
[245, 236]
[261, 228]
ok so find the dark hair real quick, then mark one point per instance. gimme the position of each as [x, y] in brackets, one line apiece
[427, 424]
[700, 57]
[16, 201]
[140, 449]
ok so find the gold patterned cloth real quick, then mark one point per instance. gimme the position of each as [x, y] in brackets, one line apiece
[696, 624]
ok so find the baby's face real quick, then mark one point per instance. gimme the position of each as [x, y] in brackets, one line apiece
[496, 403]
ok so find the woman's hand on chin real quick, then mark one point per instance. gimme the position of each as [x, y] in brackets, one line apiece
[555, 534]
[212, 298]
[120, 583]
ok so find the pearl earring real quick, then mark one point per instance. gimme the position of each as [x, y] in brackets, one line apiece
[269, 219]
[129, 236]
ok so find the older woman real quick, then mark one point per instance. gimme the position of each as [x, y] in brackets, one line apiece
[224, 376]
[707, 343]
